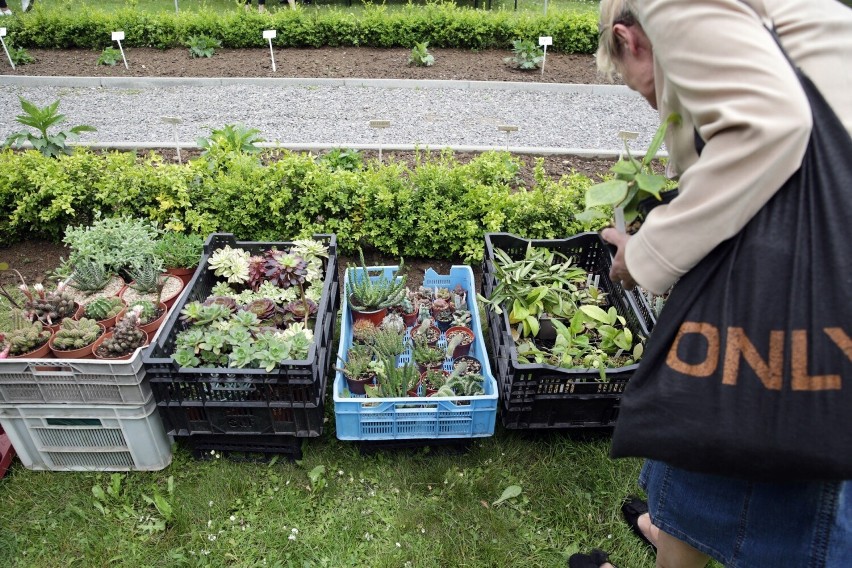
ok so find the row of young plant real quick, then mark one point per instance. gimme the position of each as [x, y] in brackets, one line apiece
[441, 25]
[435, 208]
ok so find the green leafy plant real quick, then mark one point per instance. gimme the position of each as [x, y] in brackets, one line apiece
[20, 56]
[344, 159]
[109, 56]
[119, 243]
[420, 55]
[231, 138]
[634, 181]
[179, 250]
[203, 46]
[526, 55]
[395, 381]
[42, 119]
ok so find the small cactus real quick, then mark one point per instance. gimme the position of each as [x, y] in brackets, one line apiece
[148, 311]
[50, 307]
[75, 334]
[126, 336]
[25, 336]
[103, 308]
[363, 331]
[393, 322]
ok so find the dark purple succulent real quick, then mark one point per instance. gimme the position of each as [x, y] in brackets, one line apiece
[256, 271]
[229, 303]
[264, 308]
[285, 270]
[302, 309]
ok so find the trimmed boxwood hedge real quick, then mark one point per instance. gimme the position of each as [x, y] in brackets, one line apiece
[444, 25]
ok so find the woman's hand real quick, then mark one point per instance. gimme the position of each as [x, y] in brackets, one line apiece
[619, 272]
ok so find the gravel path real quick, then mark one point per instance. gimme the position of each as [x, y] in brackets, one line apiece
[433, 114]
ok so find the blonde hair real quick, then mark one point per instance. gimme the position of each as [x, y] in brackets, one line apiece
[609, 48]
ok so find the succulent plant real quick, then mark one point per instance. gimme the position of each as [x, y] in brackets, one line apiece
[285, 270]
[197, 313]
[147, 278]
[231, 263]
[25, 336]
[103, 308]
[90, 276]
[229, 303]
[148, 310]
[302, 310]
[49, 307]
[256, 271]
[387, 344]
[393, 322]
[263, 308]
[367, 294]
[462, 318]
[75, 334]
[363, 331]
[126, 336]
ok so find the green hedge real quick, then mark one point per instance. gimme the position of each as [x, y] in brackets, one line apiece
[436, 208]
[441, 25]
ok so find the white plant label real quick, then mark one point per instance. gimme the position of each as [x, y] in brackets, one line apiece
[117, 36]
[545, 41]
[269, 35]
[5, 49]
[2, 32]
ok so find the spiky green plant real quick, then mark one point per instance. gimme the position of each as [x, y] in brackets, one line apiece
[369, 294]
[90, 276]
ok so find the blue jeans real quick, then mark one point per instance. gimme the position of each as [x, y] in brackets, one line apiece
[745, 524]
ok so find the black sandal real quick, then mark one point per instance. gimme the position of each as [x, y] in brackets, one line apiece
[594, 559]
[633, 508]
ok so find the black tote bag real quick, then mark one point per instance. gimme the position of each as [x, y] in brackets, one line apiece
[748, 372]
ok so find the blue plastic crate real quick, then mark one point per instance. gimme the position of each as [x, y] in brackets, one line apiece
[360, 418]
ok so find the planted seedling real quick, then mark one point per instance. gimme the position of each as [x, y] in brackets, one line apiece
[420, 55]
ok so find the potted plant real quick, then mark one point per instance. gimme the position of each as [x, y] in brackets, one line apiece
[102, 310]
[442, 312]
[459, 340]
[150, 283]
[388, 344]
[394, 382]
[370, 297]
[426, 356]
[25, 340]
[431, 380]
[363, 331]
[469, 365]
[462, 317]
[75, 339]
[426, 332]
[408, 310]
[462, 383]
[50, 308]
[357, 369]
[124, 339]
[91, 280]
[179, 253]
[151, 316]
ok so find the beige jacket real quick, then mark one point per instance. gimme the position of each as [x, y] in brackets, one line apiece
[722, 71]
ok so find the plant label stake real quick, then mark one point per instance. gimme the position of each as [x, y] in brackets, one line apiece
[174, 121]
[118, 36]
[544, 41]
[618, 211]
[380, 125]
[507, 128]
[269, 35]
[176, 6]
[2, 35]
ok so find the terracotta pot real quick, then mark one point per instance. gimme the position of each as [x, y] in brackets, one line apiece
[149, 328]
[375, 316]
[167, 300]
[464, 347]
[471, 361]
[410, 319]
[81, 353]
[106, 336]
[185, 274]
[429, 389]
[423, 368]
[435, 335]
[38, 353]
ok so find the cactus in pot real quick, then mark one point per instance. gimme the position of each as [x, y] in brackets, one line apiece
[49, 307]
[25, 336]
[147, 311]
[126, 336]
[76, 334]
[103, 308]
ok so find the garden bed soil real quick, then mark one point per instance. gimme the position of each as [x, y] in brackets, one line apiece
[35, 259]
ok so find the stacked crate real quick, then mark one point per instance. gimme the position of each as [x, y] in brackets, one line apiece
[244, 413]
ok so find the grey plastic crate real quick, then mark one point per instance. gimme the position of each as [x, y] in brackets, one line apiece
[53, 437]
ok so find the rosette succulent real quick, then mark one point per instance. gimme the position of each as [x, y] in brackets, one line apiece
[232, 264]
[285, 270]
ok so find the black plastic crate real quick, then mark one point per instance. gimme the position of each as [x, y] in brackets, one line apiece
[248, 448]
[228, 400]
[544, 396]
